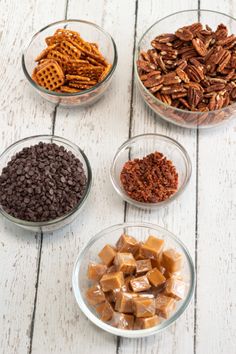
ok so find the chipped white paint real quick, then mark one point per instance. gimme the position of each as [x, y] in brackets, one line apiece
[59, 326]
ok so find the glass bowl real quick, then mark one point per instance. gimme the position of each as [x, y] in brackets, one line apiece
[170, 24]
[90, 32]
[142, 145]
[110, 235]
[68, 145]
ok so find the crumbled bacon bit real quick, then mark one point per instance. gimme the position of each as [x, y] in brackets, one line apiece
[151, 179]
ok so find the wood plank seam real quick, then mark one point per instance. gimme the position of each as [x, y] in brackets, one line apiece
[41, 234]
[36, 291]
[130, 120]
[196, 228]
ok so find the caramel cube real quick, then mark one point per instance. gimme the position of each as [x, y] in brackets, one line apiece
[144, 307]
[112, 295]
[164, 305]
[138, 254]
[155, 277]
[112, 281]
[124, 302]
[155, 243]
[140, 284]
[127, 244]
[127, 282]
[95, 295]
[125, 262]
[171, 260]
[175, 288]
[96, 271]
[122, 320]
[112, 269]
[107, 254]
[147, 251]
[143, 266]
[148, 322]
[105, 311]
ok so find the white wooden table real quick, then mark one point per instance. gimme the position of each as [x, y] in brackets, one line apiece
[38, 313]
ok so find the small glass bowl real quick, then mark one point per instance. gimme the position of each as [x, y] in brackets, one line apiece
[110, 235]
[57, 223]
[91, 33]
[170, 24]
[142, 145]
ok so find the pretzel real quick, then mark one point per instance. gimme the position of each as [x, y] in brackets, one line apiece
[50, 76]
[69, 64]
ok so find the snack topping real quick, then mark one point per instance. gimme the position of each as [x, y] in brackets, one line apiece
[135, 295]
[69, 64]
[151, 179]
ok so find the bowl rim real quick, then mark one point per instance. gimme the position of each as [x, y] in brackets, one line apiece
[67, 142]
[136, 56]
[143, 205]
[65, 94]
[133, 333]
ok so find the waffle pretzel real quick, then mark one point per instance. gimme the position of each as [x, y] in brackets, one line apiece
[50, 76]
[69, 50]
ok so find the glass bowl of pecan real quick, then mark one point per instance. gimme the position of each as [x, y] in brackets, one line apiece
[185, 68]
[108, 309]
[150, 170]
[70, 62]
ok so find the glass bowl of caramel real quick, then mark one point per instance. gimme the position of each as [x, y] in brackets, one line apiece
[133, 279]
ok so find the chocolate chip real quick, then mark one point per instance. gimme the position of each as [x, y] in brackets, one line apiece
[42, 182]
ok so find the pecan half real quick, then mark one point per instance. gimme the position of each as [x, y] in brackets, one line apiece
[199, 46]
[184, 34]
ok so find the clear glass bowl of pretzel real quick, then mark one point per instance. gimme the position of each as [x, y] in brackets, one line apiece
[70, 62]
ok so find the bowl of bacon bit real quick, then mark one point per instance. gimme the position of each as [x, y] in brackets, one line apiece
[186, 68]
[70, 62]
[150, 170]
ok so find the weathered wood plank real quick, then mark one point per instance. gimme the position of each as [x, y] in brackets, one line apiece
[178, 217]
[216, 292]
[99, 130]
[22, 113]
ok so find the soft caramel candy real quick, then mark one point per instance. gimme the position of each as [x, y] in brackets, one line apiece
[164, 305]
[140, 284]
[122, 320]
[96, 271]
[127, 244]
[147, 251]
[112, 281]
[125, 262]
[175, 288]
[105, 311]
[144, 307]
[171, 260]
[112, 295]
[143, 266]
[124, 302]
[111, 269]
[148, 322]
[138, 254]
[95, 295]
[155, 243]
[127, 282]
[155, 277]
[107, 254]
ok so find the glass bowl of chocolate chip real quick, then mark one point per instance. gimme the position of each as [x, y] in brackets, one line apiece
[133, 279]
[150, 170]
[44, 182]
[70, 62]
[185, 68]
